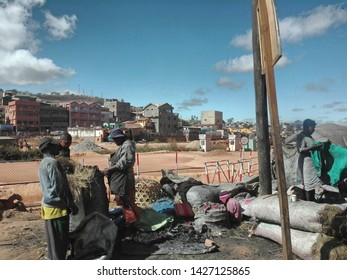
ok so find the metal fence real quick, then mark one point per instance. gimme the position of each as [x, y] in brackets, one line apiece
[21, 177]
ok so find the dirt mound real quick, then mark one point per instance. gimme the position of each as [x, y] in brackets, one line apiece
[87, 146]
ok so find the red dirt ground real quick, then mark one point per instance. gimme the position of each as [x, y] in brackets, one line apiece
[22, 235]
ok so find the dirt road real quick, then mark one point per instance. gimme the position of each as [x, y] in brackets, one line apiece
[21, 177]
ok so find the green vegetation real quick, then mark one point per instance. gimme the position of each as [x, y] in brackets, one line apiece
[170, 146]
[150, 148]
[13, 153]
[219, 146]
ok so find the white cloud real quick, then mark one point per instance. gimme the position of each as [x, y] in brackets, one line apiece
[292, 30]
[228, 83]
[295, 29]
[284, 61]
[60, 28]
[22, 68]
[236, 65]
[202, 91]
[244, 64]
[243, 41]
[18, 47]
[313, 23]
[16, 27]
[193, 102]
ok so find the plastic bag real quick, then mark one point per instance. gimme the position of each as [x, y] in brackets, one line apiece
[164, 205]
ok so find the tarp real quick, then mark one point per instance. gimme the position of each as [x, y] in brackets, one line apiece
[94, 238]
[336, 134]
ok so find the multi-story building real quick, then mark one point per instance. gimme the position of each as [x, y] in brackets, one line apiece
[2, 114]
[162, 117]
[53, 118]
[24, 115]
[84, 114]
[120, 109]
[5, 100]
[212, 120]
[106, 115]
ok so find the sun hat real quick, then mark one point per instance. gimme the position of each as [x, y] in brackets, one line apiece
[43, 142]
[117, 133]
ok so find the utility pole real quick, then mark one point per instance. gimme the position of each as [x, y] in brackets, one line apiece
[262, 123]
[270, 54]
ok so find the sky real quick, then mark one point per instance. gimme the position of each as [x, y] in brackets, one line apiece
[195, 55]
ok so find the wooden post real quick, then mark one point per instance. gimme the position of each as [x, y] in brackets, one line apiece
[268, 60]
[262, 122]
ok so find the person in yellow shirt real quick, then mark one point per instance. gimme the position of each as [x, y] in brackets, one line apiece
[57, 200]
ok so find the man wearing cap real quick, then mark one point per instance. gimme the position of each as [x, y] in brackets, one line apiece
[57, 201]
[121, 173]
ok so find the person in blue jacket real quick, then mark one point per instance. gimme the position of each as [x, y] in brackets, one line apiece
[57, 200]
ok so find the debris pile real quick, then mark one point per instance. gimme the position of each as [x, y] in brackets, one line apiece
[87, 146]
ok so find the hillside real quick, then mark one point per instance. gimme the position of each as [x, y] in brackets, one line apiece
[65, 98]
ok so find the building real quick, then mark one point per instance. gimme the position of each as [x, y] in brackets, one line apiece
[2, 114]
[212, 120]
[5, 100]
[162, 118]
[53, 118]
[84, 114]
[120, 109]
[144, 122]
[24, 115]
[106, 116]
[191, 132]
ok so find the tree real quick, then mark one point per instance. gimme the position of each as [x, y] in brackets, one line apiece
[230, 121]
[297, 124]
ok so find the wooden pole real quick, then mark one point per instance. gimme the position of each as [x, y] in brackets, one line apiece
[262, 122]
[265, 39]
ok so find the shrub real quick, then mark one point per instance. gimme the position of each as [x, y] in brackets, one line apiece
[13, 153]
[172, 145]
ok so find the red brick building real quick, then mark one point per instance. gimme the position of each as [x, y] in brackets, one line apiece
[24, 115]
[84, 114]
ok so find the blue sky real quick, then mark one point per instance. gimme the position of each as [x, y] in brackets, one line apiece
[193, 54]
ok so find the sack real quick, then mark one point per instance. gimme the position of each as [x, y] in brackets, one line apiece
[198, 195]
[163, 205]
[213, 215]
[184, 210]
[129, 215]
[211, 212]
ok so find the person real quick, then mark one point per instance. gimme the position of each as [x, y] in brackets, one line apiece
[305, 144]
[121, 172]
[57, 200]
[65, 143]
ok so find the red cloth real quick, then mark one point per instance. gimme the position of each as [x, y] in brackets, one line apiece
[184, 210]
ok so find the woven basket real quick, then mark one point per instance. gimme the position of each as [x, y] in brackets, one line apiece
[147, 191]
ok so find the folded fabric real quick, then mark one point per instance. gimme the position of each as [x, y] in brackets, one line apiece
[184, 210]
